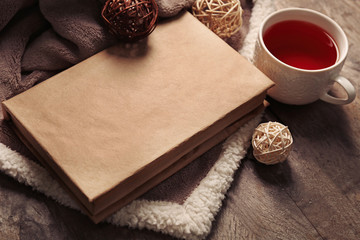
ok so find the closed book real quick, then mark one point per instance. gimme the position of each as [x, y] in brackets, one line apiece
[116, 124]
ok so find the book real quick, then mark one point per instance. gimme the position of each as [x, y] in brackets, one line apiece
[118, 123]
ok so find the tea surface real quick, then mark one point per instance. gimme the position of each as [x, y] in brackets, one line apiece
[301, 44]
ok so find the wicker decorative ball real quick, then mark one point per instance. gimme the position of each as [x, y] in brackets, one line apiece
[130, 20]
[223, 17]
[272, 142]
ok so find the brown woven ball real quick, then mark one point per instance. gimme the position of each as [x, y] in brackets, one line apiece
[222, 17]
[130, 20]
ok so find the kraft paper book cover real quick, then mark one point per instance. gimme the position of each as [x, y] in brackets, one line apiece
[121, 121]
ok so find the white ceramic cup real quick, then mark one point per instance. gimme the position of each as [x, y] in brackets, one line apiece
[299, 86]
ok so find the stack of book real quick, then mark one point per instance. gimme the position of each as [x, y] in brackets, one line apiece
[118, 123]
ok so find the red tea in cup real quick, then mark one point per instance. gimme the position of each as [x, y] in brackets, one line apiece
[303, 52]
[301, 44]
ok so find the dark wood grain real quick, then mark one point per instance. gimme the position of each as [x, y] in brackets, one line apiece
[324, 165]
[259, 207]
[315, 194]
[326, 156]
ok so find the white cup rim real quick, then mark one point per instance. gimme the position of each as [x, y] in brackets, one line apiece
[337, 26]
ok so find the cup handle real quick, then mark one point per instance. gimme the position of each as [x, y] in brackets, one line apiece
[349, 89]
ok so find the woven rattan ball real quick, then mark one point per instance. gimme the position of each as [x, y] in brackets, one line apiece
[130, 20]
[223, 17]
[272, 142]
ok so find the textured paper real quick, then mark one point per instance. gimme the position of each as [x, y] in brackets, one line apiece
[112, 122]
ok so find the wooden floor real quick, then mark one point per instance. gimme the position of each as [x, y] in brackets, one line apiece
[315, 194]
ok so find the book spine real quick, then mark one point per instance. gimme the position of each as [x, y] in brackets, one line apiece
[5, 112]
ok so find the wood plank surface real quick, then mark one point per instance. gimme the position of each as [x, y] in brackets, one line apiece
[321, 178]
[258, 206]
[325, 161]
[315, 194]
